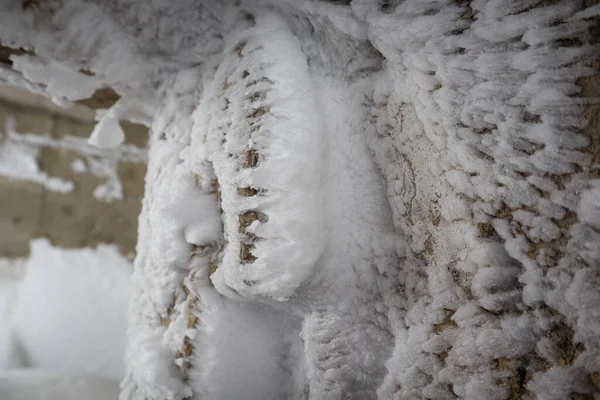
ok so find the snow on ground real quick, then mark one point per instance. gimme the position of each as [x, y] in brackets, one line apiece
[380, 200]
[36, 384]
[67, 312]
[10, 273]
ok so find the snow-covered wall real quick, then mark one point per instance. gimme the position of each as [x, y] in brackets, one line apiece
[54, 184]
[349, 200]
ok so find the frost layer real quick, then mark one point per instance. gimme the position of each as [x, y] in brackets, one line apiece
[400, 196]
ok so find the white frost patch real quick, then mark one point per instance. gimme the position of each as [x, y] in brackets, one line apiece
[107, 133]
[452, 208]
[125, 152]
[107, 168]
[59, 78]
[71, 307]
[589, 205]
[78, 166]
[18, 161]
[19, 153]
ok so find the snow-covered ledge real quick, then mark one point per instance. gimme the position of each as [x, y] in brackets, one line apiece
[347, 200]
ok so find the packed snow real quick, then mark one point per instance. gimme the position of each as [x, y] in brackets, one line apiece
[373, 200]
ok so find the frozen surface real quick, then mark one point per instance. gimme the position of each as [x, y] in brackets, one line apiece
[380, 200]
[263, 122]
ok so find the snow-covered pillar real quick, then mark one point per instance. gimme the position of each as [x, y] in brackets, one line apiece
[394, 199]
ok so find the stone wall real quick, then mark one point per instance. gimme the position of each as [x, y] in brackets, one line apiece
[107, 185]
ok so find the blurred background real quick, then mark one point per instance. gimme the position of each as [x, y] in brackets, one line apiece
[68, 230]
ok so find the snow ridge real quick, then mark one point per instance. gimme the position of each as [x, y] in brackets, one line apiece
[265, 147]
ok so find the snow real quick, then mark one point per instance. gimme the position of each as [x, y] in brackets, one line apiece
[288, 168]
[10, 355]
[260, 359]
[78, 166]
[20, 151]
[18, 161]
[36, 384]
[68, 311]
[453, 207]
[377, 200]
[107, 133]
[53, 74]
[589, 206]
[107, 168]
